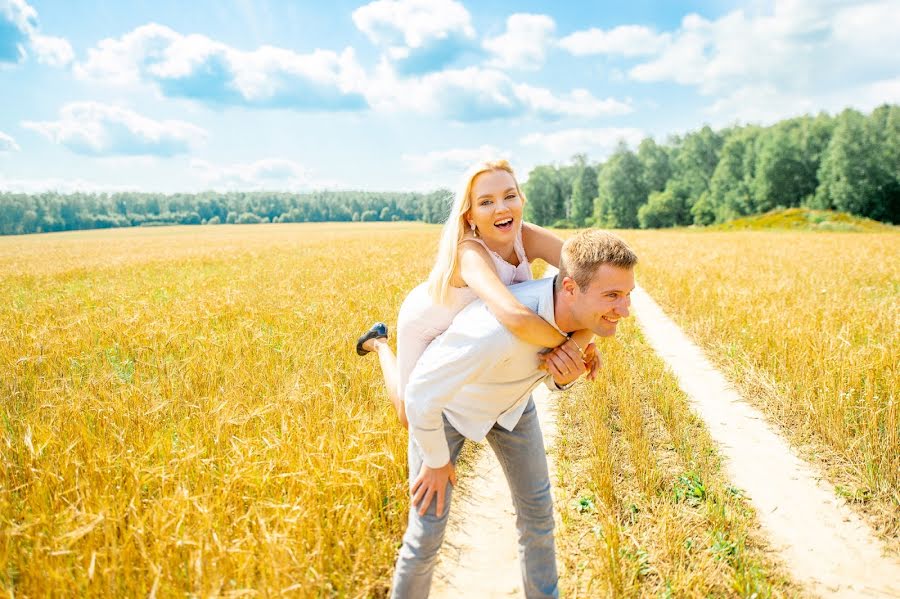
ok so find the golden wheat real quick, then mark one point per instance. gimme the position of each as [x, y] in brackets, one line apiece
[183, 411]
[808, 326]
[646, 510]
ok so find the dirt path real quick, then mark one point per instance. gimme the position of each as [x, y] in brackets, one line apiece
[480, 556]
[827, 547]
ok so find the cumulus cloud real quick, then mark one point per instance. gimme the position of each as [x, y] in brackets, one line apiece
[454, 160]
[479, 94]
[598, 143]
[804, 52]
[7, 143]
[577, 103]
[19, 33]
[524, 43]
[96, 129]
[418, 36]
[52, 51]
[199, 68]
[266, 174]
[627, 40]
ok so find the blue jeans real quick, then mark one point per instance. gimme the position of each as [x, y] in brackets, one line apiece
[521, 454]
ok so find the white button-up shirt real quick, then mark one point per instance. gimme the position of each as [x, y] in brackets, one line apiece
[476, 373]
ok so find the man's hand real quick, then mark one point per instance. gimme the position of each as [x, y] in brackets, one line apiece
[564, 363]
[431, 482]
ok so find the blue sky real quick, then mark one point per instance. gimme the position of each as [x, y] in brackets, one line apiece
[404, 94]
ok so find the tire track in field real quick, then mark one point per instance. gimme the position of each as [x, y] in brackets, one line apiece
[823, 543]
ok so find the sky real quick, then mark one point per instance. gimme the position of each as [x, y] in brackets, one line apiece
[404, 94]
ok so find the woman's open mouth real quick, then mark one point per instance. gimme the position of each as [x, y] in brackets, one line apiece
[505, 224]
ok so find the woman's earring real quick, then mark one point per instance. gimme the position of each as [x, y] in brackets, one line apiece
[474, 231]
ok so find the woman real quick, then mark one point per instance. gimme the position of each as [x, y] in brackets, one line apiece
[484, 247]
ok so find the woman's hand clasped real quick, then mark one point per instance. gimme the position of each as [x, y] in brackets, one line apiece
[567, 362]
[592, 362]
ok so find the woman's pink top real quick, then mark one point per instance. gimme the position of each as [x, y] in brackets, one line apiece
[421, 320]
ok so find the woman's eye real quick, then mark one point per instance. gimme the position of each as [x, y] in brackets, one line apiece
[511, 196]
[485, 203]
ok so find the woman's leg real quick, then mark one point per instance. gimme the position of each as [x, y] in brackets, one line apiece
[388, 362]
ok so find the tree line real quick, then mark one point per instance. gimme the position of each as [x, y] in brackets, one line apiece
[849, 162]
[51, 211]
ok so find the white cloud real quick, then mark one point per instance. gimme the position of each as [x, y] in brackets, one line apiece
[478, 94]
[52, 51]
[19, 32]
[419, 36]
[199, 68]
[18, 22]
[524, 43]
[577, 103]
[597, 143]
[453, 160]
[627, 40]
[98, 129]
[7, 143]
[266, 174]
[803, 53]
[765, 104]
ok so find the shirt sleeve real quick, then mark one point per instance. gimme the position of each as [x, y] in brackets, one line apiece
[461, 354]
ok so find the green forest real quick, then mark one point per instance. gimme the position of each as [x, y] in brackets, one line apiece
[849, 162]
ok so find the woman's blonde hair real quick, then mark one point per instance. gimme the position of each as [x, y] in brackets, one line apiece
[455, 228]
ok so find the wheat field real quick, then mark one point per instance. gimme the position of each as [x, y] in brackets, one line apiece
[183, 413]
[807, 325]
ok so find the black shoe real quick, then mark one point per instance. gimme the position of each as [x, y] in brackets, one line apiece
[379, 330]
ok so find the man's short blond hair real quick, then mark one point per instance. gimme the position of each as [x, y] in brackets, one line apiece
[584, 253]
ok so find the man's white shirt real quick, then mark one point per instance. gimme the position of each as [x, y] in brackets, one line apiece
[477, 374]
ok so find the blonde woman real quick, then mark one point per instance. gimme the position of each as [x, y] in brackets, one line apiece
[485, 247]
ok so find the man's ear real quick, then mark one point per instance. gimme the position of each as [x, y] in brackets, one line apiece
[569, 285]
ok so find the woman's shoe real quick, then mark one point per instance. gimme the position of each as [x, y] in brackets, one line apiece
[379, 330]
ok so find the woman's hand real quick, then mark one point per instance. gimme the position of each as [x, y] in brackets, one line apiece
[431, 482]
[592, 361]
[565, 363]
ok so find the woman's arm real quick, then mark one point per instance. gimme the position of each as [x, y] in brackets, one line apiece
[477, 270]
[541, 243]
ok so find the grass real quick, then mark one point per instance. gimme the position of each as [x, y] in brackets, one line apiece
[807, 327]
[646, 511]
[804, 219]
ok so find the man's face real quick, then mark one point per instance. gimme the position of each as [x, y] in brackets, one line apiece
[605, 301]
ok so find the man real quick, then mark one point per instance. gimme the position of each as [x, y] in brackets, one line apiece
[475, 381]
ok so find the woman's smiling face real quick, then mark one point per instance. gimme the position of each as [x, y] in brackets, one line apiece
[496, 207]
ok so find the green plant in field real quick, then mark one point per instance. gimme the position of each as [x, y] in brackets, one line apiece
[584, 504]
[723, 548]
[122, 366]
[640, 559]
[689, 488]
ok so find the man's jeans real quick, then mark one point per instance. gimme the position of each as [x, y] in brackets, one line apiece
[521, 453]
